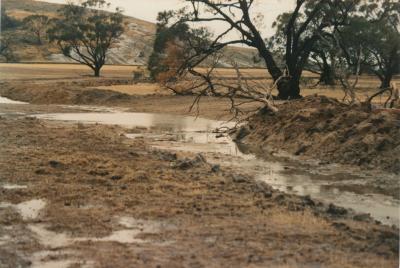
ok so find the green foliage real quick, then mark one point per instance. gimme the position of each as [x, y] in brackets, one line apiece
[37, 25]
[6, 48]
[367, 27]
[85, 33]
[8, 22]
[373, 37]
[165, 34]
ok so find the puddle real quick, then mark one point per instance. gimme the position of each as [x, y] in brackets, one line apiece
[51, 259]
[8, 101]
[163, 122]
[130, 235]
[198, 142]
[4, 239]
[381, 207]
[133, 229]
[29, 210]
[48, 238]
[13, 186]
[185, 133]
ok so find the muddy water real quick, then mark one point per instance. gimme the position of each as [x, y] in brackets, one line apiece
[8, 101]
[191, 134]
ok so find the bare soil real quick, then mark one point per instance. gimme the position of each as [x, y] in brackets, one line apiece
[100, 186]
[91, 177]
[325, 129]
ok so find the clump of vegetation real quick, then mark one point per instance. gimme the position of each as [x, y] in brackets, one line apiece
[6, 48]
[37, 25]
[8, 22]
[322, 36]
[85, 33]
[7, 40]
[173, 44]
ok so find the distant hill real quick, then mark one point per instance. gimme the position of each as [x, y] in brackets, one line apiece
[134, 48]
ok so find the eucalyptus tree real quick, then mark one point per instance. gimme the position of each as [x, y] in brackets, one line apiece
[375, 33]
[85, 32]
[165, 34]
[38, 25]
[298, 31]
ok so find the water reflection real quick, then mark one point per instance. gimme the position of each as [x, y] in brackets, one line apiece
[163, 122]
[192, 134]
[8, 101]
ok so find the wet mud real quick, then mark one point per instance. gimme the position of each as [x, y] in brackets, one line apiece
[96, 197]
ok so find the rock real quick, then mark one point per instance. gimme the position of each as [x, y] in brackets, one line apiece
[215, 168]
[124, 187]
[187, 163]
[362, 217]
[302, 149]
[341, 226]
[99, 172]
[134, 154]
[239, 178]
[141, 176]
[241, 133]
[55, 164]
[116, 177]
[307, 201]
[383, 144]
[199, 159]
[41, 171]
[279, 198]
[265, 189]
[166, 156]
[334, 210]
[183, 164]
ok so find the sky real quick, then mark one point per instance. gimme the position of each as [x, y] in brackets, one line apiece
[148, 10]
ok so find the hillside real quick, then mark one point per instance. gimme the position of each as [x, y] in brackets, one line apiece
[134, 48]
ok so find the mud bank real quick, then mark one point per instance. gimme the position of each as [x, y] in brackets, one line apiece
[80, 91]
[174, 210]
[332, 132]
[85, 91]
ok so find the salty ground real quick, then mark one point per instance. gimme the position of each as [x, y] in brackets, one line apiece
[136, 184]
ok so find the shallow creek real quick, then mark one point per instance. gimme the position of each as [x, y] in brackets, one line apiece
[331, 184]
[190, 134]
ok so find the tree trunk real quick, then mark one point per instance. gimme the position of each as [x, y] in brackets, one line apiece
[328, 75]
[289, 88]
[97, 71]
[39, 39]
[387, 79]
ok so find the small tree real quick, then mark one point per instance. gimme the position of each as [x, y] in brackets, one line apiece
[7, 22]
[383, 39]
[165, 35]
[85, 33]
[36, 24]
[6, 50]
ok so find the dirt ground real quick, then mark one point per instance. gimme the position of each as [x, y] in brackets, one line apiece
[100, 186]
[328, 130]
[103, 200]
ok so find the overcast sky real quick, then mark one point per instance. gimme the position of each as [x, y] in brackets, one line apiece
[148, 10]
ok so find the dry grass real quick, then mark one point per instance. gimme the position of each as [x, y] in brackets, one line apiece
[366, 87]
[140, 89]
[16, 71]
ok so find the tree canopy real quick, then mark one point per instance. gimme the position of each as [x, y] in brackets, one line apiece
[37, 24]
[8, 22]
[297, 31]
[85, 33]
